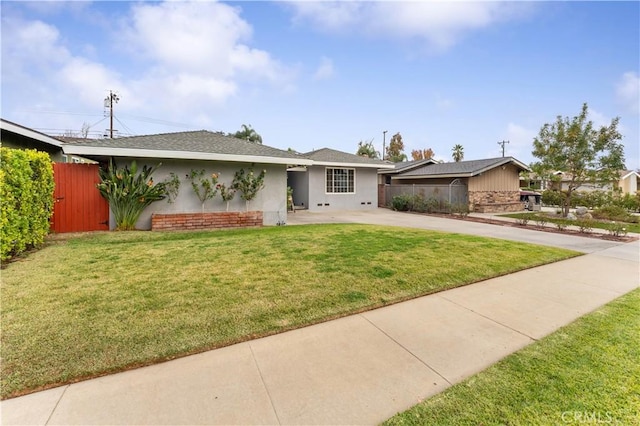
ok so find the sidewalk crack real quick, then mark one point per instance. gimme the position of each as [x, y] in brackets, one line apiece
[266, 388]
[57, 403]
[406, 349]
[488, 318]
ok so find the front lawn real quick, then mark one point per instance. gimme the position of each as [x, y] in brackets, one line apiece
[102, 303]
[585, 373]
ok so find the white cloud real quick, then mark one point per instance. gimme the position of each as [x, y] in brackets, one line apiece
[31, 43]
[440, 24]
[175, 59]
[89, 81]
[520, 142]
[628, 92]
[325, 70]
[206, 39]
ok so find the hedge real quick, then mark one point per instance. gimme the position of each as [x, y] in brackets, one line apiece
[26, 191]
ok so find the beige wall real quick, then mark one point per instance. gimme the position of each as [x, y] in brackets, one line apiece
[629, 185]
[497, 179]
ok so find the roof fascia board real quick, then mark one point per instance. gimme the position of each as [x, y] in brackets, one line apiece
[632, 172]
[179, 155]
[448, 175]
[338, 164]
[32, 134]
[501, 163]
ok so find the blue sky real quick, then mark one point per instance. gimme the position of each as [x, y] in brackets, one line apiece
[308, 75]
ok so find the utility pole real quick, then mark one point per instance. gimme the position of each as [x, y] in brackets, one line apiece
[384, 139]
[108, 103]
[502, 144]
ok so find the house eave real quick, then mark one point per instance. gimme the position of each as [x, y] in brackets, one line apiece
[448, 175]
[29, 133]
[354, 165]
[89, 151]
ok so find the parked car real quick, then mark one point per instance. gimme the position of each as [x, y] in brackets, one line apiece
[531, 200]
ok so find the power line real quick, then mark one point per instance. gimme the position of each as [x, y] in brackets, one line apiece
[124, 126]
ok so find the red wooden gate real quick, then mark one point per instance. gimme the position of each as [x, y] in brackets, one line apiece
[78, 204]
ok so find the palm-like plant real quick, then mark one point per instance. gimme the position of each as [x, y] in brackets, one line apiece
[458, 153]
[129, 192]
[248, 133]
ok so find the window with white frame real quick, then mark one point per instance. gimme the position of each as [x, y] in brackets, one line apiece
[340, 181]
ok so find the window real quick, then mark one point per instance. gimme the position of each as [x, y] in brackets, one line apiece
[341, 181]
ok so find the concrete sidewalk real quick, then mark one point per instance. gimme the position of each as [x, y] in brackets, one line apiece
[360, 369]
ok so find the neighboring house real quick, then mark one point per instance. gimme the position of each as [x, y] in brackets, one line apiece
[492, 185]
[336, 180]
[16, 136]
[181, 152]
[629, 181]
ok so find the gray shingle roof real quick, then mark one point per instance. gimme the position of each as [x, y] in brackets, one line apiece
[462, 168]
[200, 141]
[328, 155]
[408, 165]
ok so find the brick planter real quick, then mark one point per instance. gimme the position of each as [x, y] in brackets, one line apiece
[214, 220]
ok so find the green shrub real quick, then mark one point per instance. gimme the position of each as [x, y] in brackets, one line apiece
[553, 198]
[402, 202]
[585, 226]
[613, 212]
[561, 225]
[540, 220]
[628, 202]
[26, 191]
[525, 218]
[460, 209]
[617, 229]
[432, 205]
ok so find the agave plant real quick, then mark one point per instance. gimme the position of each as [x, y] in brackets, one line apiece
[129, 192]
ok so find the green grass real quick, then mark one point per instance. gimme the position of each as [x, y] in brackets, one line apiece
[631, 227]
[102, 303]
[584, 372]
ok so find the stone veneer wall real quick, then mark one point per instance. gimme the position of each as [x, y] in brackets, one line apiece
[215, 220]
[495, 201]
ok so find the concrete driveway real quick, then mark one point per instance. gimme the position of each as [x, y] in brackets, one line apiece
[410, 220]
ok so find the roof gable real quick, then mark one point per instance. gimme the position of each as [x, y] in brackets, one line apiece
[332, 157]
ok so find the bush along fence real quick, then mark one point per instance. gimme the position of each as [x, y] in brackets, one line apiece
[26, 191]
[418, 203]
[130, 190]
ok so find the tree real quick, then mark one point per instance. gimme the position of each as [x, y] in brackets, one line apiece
[247, 133]
[394, 150]
[366, 149]
[84, 131]
[422, 154]
[582, 152]
[457, 153]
